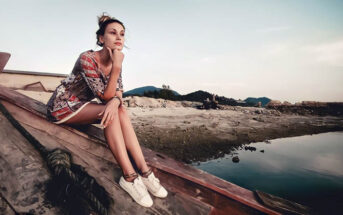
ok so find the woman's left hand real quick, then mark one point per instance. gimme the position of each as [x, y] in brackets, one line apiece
[110, 112]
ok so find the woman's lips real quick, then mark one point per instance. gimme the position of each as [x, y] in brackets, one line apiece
[118, 44]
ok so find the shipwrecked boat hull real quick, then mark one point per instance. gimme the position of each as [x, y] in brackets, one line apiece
[191, 191]
[24, 173]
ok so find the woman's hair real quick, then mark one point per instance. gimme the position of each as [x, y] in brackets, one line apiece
[103, 21]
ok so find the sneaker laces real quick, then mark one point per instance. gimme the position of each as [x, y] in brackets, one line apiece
[155, 181]
[139, 187]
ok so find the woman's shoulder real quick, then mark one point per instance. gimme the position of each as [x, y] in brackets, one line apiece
[87, 57]
[87, 54]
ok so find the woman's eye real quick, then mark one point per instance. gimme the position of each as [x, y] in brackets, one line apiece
[115, 33]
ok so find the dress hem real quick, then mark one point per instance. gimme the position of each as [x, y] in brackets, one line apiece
[72, 114]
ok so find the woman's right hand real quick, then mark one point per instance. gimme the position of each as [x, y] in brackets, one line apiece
[109, 112]
[116, 56]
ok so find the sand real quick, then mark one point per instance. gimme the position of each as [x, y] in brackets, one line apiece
[189, 134]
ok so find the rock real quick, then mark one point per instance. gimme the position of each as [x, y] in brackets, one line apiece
[246, 111]
[273, 103]
[309, 103]
[258, 119]
[190, 104]
[250, 148]
[262, 151]
[308, 108]
[235, 159]
[146, 102]
[207, 104]
[259, 111]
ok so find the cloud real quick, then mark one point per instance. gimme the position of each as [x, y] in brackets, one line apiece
[273, 29]
[224, 84]
[330, 53]
[276, 49]
[327, 163]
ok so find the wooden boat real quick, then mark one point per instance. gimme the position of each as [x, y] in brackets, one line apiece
[23, 173]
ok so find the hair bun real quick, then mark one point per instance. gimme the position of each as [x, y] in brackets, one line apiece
[103, 18]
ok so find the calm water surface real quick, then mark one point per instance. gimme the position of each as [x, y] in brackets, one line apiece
[306, 169]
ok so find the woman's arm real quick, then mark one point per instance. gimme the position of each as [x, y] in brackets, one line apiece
[110, 90]
[115, 75]
[119, 94]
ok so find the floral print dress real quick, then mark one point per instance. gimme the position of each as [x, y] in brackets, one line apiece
[79, 88]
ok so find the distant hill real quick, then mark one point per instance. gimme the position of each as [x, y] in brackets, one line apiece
[252, 100]
[201, 95]
[140, 91]
[198, 96]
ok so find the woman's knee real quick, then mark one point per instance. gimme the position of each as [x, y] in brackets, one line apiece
[122, 110]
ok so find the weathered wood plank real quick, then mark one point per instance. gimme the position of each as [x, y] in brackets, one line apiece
[5, 208]
[23, 173]
[100, 163]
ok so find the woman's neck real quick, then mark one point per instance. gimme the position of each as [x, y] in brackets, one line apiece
[105, 58]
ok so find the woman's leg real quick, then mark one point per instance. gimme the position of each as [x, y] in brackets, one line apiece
[131, 140]
[88, 115]
[113, 135]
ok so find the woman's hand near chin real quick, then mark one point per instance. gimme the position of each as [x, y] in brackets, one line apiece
[117, 57]
[117, 60]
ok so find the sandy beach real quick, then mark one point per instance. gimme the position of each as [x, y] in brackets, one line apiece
[189, 134]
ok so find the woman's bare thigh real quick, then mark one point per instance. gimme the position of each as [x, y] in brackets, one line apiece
[88, 115]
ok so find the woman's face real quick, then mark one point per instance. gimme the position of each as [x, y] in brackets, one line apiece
[113, 36]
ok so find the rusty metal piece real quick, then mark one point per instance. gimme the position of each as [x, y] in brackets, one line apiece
[36, 86]
[4, 56]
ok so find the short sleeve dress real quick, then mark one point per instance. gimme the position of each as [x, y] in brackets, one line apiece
[78, 89]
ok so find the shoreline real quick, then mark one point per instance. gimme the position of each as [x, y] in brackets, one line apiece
[190, 135]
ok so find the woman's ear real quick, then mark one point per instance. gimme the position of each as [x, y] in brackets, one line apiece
[101, 39]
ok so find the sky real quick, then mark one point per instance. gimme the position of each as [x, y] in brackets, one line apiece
[287, 50]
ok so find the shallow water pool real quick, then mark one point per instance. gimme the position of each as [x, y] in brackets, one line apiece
[306, 169]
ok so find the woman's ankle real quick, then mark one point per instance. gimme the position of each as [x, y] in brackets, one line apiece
[130, 177]
[146, 173]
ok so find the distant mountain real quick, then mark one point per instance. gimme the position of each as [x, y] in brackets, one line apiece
[198, 96]
[141, 90]
[252, 100]
[229, 101]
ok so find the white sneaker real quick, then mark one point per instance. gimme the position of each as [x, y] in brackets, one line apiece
[137, 191]
[154, 186]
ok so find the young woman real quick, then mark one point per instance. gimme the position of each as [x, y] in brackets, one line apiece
[97, 74]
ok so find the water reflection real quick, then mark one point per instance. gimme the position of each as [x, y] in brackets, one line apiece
[306, 169]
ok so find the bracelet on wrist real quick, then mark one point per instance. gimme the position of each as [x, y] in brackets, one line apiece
[116, 97]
